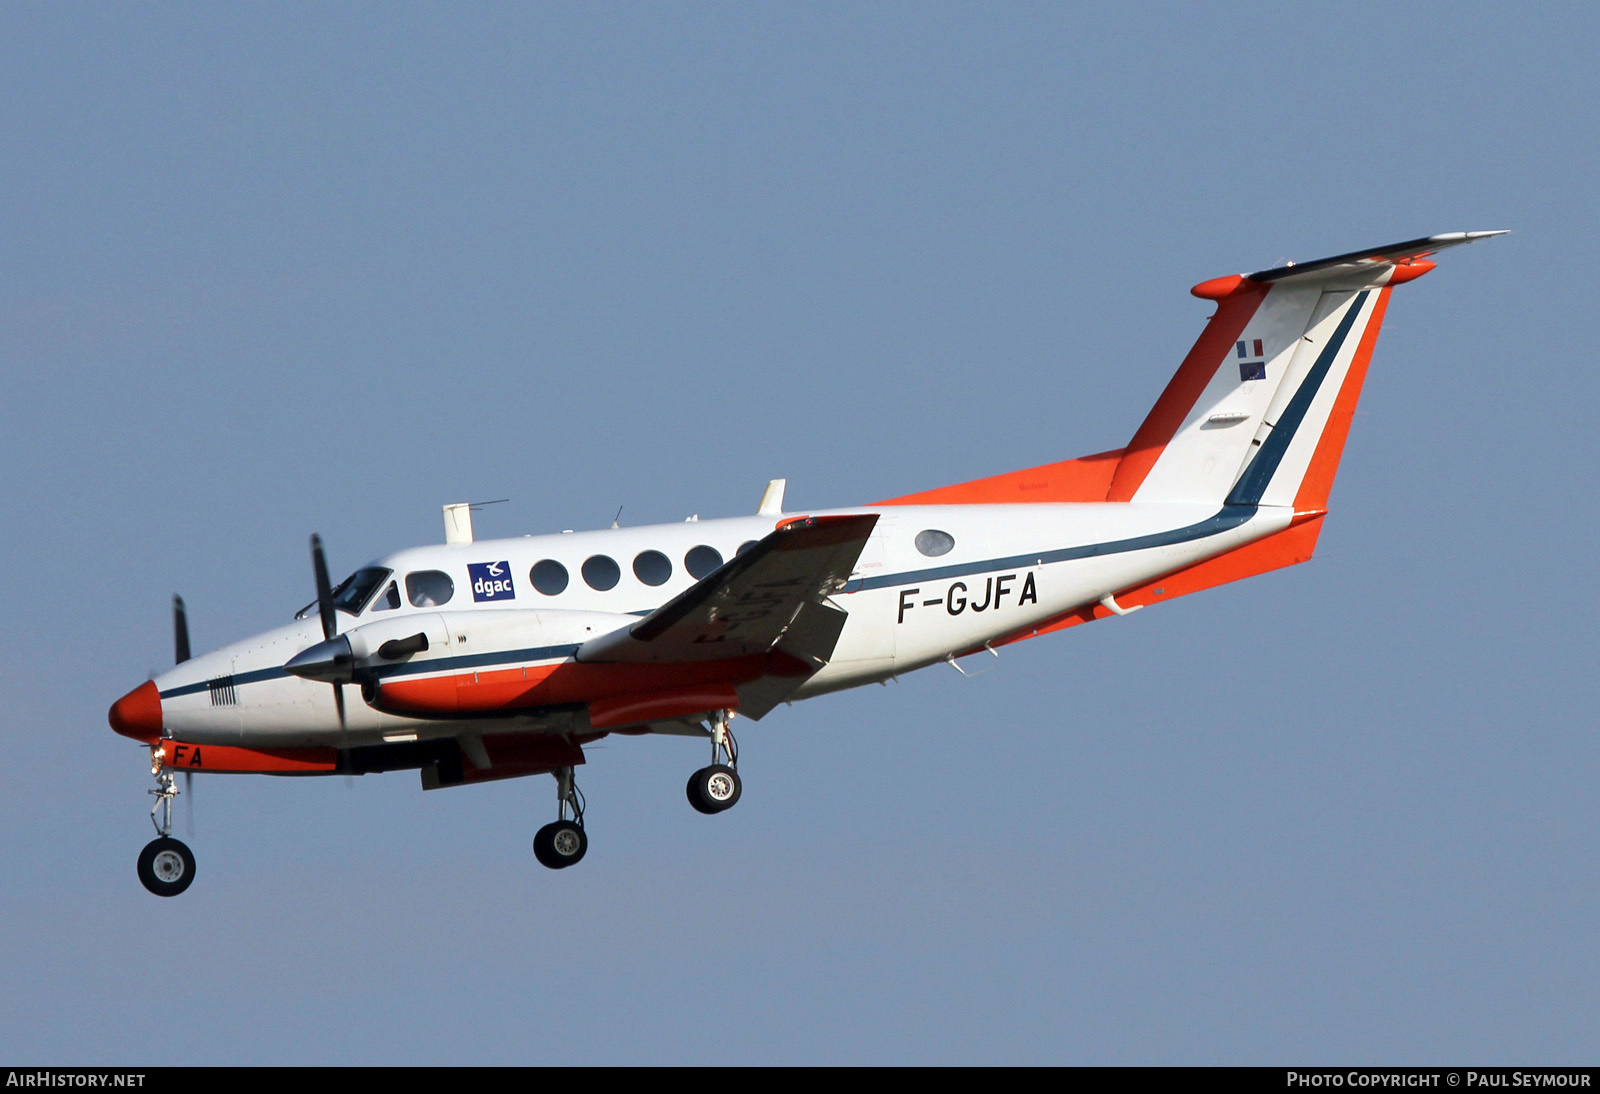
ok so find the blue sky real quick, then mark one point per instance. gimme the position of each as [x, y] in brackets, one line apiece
[280, 269]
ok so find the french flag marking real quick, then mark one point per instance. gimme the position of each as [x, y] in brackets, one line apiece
[1252, 361]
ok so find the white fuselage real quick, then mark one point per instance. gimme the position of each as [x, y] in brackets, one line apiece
[1003, 568]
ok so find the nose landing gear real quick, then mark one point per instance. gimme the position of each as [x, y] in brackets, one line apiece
[166, 865]
[715, 788]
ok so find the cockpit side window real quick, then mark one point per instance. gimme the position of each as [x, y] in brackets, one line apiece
[388, 600]
[429, 588]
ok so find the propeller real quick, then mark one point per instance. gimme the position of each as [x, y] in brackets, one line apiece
[180, 630]
[319, 563]
[180, 650]
[330, 622]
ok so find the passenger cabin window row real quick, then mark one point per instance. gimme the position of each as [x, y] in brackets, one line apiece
[434, 588]
[601, 572]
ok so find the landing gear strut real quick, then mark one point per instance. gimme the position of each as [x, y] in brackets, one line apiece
[166, 866]
[561, 843]
[715, 788]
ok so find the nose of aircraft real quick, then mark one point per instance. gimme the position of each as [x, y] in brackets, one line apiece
[138, 713]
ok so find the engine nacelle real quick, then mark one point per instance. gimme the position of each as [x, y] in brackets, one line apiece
[359, 653]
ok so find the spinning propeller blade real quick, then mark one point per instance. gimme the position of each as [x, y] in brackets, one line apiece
[180, 630]
[319, 563]
[330, 623]
[180, 650]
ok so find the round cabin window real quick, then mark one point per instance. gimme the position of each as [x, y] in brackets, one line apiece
[702, 561]
[601, 572]
[652, 567]
[548, 576]
[934, 543]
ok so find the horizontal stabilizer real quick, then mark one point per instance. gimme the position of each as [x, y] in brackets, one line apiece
[1356, 261]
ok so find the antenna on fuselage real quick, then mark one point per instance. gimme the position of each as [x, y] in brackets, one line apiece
[772, 498]
[616, 518]
[458, 519]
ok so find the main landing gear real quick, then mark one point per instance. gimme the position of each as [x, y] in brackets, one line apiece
[715, 788]
[166, 866]
[561, 843]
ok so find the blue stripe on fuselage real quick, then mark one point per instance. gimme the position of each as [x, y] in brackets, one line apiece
[1229, 517]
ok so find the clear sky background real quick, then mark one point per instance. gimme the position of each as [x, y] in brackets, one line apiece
[274, 269]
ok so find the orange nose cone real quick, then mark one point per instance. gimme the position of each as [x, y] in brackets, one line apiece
[138, 713]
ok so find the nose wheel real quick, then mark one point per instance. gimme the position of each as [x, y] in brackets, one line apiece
[562, 842]
[716, 788]
[166, 865]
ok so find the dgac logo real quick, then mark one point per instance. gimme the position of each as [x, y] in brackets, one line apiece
[491, 581]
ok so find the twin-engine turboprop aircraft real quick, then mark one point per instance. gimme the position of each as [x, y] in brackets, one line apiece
[481, 660]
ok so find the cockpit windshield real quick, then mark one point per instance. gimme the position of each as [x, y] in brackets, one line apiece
[351, 595]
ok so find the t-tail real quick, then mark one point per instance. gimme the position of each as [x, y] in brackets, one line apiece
[1258, 412]
[1256, 416]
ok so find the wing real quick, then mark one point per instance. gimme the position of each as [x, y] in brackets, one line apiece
[764, 613]
[748, 604]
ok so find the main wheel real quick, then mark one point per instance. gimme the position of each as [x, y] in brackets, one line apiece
[715, 788]
[559, 844]
[166, 866]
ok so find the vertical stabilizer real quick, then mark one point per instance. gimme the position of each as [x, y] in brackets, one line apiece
[1258, 411]
[1197, 436]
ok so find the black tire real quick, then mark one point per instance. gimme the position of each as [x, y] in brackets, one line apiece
[701, 805]
[560, 844]
[714, 789]
[166, 867]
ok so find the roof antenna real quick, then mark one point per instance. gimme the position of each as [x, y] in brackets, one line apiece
[617, 517]
[458, 519]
